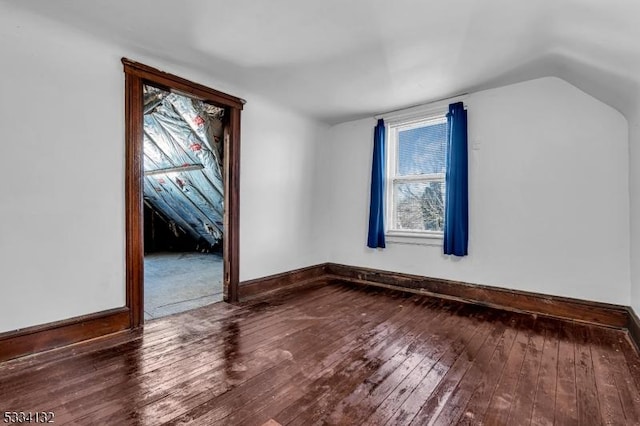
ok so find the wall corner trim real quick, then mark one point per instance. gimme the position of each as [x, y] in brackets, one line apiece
[285, 280]
[564, 308]
[633, 327]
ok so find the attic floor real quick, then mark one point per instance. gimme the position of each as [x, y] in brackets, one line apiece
[178, 282]
[337, 354]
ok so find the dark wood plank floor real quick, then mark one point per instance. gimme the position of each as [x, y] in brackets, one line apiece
[338, 354]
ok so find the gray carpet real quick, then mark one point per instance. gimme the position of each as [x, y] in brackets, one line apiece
[178, 282]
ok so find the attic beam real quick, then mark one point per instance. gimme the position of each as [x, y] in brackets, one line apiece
[194, 205]
[185, 168]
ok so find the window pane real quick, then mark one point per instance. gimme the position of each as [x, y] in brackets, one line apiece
[419, 205]
[422, 150]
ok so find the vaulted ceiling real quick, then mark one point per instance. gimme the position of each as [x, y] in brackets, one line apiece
[337, 60]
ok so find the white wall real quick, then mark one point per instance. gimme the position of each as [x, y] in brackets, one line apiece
[634, 181]
[277, 202]
[62, 175]
[549, 196]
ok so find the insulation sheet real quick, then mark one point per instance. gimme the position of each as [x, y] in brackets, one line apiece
[180, 132]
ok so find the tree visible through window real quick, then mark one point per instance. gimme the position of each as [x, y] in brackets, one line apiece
[417, 154]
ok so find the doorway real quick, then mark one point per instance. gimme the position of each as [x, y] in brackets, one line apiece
[182, 192]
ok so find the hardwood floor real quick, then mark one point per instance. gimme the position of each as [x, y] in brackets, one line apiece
[337, 354]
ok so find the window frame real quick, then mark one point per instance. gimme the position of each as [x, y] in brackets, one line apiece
[405, 121]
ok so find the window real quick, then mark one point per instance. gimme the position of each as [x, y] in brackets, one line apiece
[416, 163]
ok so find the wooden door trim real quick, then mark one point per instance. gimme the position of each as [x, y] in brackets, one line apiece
[176, 84]
[136, 76]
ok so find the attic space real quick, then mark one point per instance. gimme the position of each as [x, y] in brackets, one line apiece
[183, 202]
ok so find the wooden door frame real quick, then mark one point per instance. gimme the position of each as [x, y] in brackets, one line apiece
[136, 76]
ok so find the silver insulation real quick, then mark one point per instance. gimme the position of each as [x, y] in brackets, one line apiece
[180, 131]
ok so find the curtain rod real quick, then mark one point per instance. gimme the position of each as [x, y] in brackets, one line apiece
[447, 99]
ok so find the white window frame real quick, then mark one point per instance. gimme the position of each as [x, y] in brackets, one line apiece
[405, 120]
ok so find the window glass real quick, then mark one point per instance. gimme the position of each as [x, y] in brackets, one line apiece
[418, 157]
[419, 205]
[422, 150]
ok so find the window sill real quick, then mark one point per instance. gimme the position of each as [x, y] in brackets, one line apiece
[415, 238]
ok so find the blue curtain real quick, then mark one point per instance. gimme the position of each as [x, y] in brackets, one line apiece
[456, 209]
[376, 209]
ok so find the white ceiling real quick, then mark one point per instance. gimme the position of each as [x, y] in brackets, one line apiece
[337, 60]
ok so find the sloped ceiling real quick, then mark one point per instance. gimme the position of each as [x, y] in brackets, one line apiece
[336, 60]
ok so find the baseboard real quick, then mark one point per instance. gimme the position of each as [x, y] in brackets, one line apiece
[634, 328]
[26, 341]
[41, 338]
[603, 314]
[285, 280]
[31, 340]
[502, 298]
